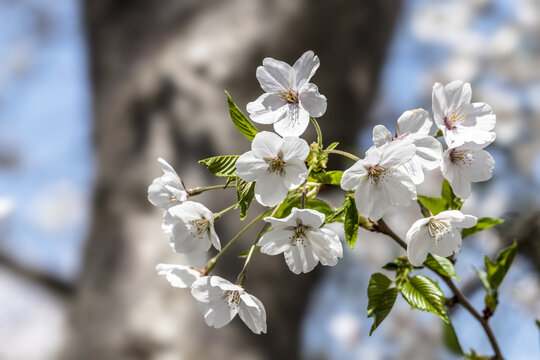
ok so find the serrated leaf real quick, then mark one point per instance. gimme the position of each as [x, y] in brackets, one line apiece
[496, 271]
[450, 339]
[332, 146]
[448, 195]
[435, 205]
[482, 224]
[338, 214]
[328, 178]
[424, 294]
[352, 221]
[381, 299]
[241, 121]
[442, 265]
[222, 166]
[244, 193]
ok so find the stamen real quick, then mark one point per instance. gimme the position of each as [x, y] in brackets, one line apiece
[276, 165]
[299, 237]
[233, 299]
[377, 173]
[199, 227]
[290, 95]
[464, 156]
[438, 228]
[454, 117]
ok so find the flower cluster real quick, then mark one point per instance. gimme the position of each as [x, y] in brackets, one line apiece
[284, 173]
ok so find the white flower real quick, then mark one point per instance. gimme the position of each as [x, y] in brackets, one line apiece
[276, 164]
[179, 276]
[440, 233]
[167, 190]
[465, 164]
[290, 99]
[413, 125]
[303, 241]
[379, 181]
[220, 300]
[191, 226]
[459, 120]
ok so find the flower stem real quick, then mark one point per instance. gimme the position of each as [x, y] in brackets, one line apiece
[212, 262]
[461, 298]
[319, 133]
[218, 215]
[198, 190]
[344, 153]
[423, 209]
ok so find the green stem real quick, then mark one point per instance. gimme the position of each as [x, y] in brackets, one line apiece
[344, 153]
[423, 209]
[218, 215]
[212, 262]
[319, 133]
[198, 190]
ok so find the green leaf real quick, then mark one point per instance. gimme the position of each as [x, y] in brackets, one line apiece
[424, 294]
[222, 166]
[241, 121]
[352, 222]
[244, 192]
[448, 195]
[391, 266]
[442, 265]
[338, 214]
[329, 177]
[435, 205]
[450, 339]
[482, 224]
[296, 201]
[496, 271]
[381, 299]
[332, 146]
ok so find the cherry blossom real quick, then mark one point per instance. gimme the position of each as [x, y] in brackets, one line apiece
[180, 276]
[168, 189]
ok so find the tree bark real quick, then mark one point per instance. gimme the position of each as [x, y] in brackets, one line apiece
[158, 71]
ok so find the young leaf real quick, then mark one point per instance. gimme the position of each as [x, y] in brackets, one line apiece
[381, 299]
[329, 177]
[435, 205]
[496, 271]
[442, 265]
[222, 166]
[482, 224]
[244, 254]
[424, 294]
[338, 215]
[241, 121]
[352, 222]
[296, 201]
[448, 195]
[451, 340]
[244, 192]
[332, 146]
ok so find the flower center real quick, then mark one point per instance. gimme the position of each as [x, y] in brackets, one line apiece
[276, 165]
[199, 227]
[290, 95]
[299, 237]
[454, 117]
[465, 157]
[233, 299]
[438, 228]
[377, 173]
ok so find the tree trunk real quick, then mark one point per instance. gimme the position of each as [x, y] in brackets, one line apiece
[159, 69]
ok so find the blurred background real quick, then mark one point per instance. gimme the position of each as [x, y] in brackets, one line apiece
[92, 92]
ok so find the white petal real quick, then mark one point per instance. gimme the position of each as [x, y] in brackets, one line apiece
[214, 239]
[449, 244]
[480, 116]
[399, 188]
[326, 246]
[381, 135]
[371, 200]
[440, 105]
[267, 109]
[414, 122]
[294, 174]
[460, 184]
[458, 93]
[253, 316]
[305, 68]
[396, 153]
[312, 101]
[352, 175]
[457, 218]
[300, 259]
[309, 217]
[419, 242]
[274, 75]
[295, 123]
[270, 190]
[224, 284]
[266, 144]
[428, 152]
[179, 276]
[275, 241]
[294, 148]
[413, 169]
[249, 167]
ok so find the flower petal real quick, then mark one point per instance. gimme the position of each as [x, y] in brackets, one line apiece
[300, 259]
[275, 241]
[305, 68]
[312, 101]
[440, 105]
[274, 75]
[399, 188]
[371, 200]
[396, 153]
[294, 174]
[352, 175]
[326, 246]
[295, 123]
[381, 135]
[309, 217]
[458, 93]
[414, 122]
[428, 152]
[179, 276]
[270, 190]
[253, 316]
[419, 242]
[249, 167]
[449, 244]
[267, 109]
[294, 148]
[266, 144]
